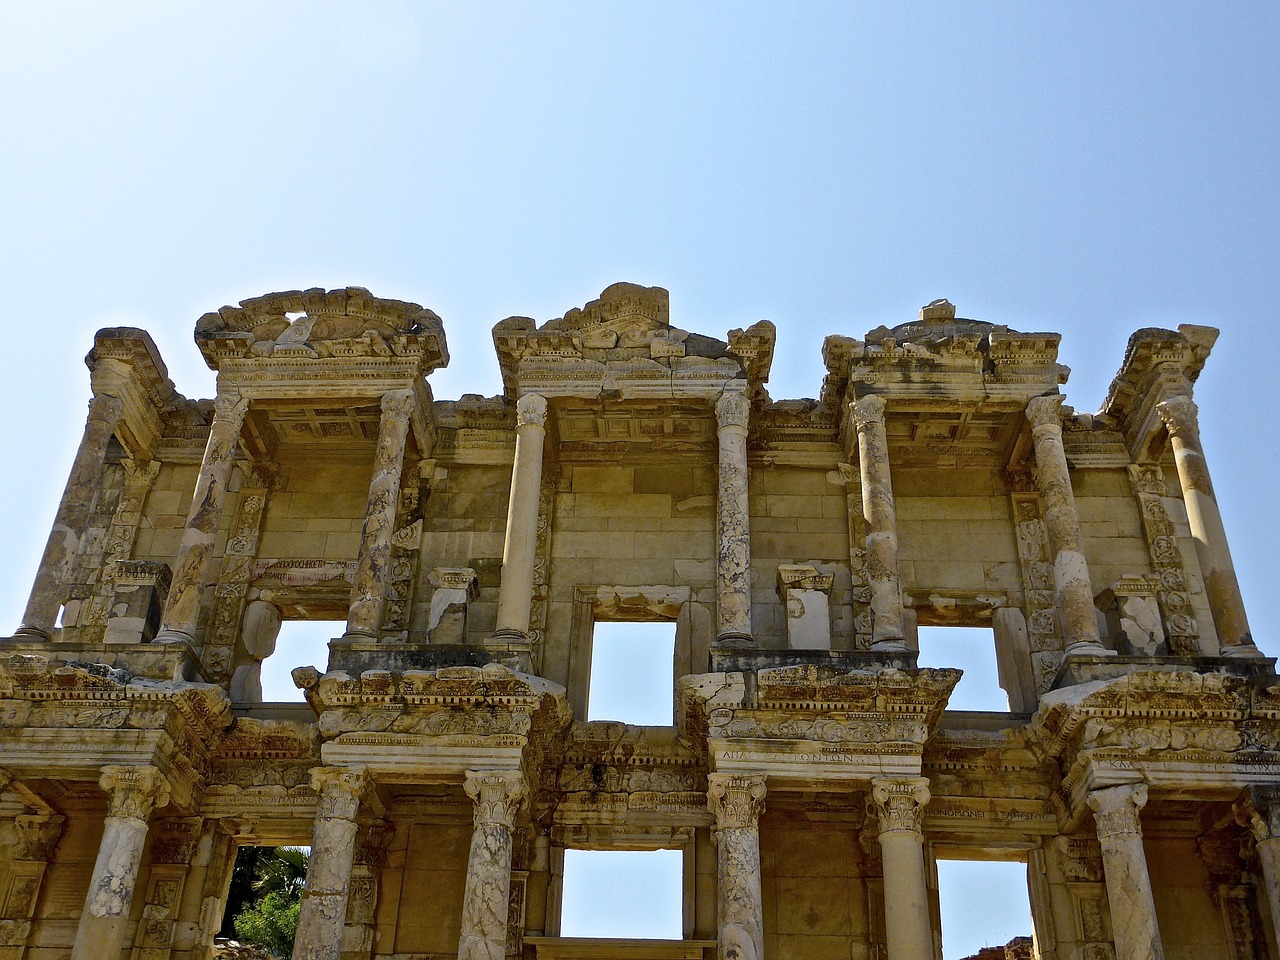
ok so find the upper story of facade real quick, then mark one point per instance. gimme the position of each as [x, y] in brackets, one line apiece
[633, 470]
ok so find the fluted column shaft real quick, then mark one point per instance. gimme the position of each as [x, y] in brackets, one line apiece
[1180, 416]
[373, 569]
[733, 525]
[519, 549]
[736, 802]
[48, 592]
[882, 525]
[1062, 524]
[498, 795]
[1124, 863]
[132, 793]
[899, 805]
[333, 845]
[182, 611]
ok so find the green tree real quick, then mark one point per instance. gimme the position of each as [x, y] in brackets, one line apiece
[271, 918]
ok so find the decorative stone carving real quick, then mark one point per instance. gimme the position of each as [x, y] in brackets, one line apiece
[736, 803]
[498, 797]
[1175, 602]
[1036, 568]
[220, 655]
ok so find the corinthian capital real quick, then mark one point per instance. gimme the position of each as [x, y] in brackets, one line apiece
[735, 800]
[498, 795]
[230, 406]
[1259, 810]
[733, 409]
[398, 404]
[1181, 417]
[1045, 411]
[133, 791]
[340, 791]
[531, 409]
[1115, 809]
[867, 411]
[900, 803]
[106, 408]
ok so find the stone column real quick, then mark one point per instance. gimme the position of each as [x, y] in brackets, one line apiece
[733, 519]
[1124, 865]
[498, 795]
[333, 845]
[736, 802]
[72, 519]
[899, 804]
[1225, 603]
[1259, 810]
[519, 549]
[373, 571]
[132, 793]
[882, 526]
[182, 611]
[1062, 523]
[27, 846]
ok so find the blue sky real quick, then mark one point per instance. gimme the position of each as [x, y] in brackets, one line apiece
[1089, 168]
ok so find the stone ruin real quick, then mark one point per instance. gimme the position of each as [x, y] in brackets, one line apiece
[631, 470]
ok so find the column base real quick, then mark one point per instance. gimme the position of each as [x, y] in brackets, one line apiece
[34, 633]
[735, 639]
[174, 636]
[890, 645]
[1241, 651]
[1088, 648]
[509, 634]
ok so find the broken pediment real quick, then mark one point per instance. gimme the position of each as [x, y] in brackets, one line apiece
[319, 324]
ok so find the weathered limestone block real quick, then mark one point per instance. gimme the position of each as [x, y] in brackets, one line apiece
[1133, 616]
[1133, 910]
[804, 594]
[456, 589]
[736, 801]
[138, 596]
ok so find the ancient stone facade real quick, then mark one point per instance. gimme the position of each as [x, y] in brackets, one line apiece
[632, 470]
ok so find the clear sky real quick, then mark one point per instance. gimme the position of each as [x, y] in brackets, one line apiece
[1088, 168]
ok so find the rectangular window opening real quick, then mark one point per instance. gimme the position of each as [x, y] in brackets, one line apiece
[632, 673]
[300, 643]
[973, 650]
[623, 894]
[986, 906]
[263, 896]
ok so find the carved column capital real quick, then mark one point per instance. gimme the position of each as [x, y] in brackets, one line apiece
[1181, 417]
[498, 795]
[733, 409]
[1259, 811]
[372, 841]
[230, 406]
[867, 411]
[1116, 809]
[106, 408]
[398, 405]
[899, 802]
[133, 791]
[36, 836]
[531, 410]
[735, 800]
[340, 791]
[1045, 411]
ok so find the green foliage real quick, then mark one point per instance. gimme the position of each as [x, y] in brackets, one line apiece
[269, 916]
[272, 922]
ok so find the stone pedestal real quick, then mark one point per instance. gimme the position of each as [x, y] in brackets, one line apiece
[182, 610]
[1132, 613]
[455, 589]
[519, 549]
[736, 802]
[1133, 909]
[882, 526]
[805, 595]
[1062, 524]
[373, 569]
[498, 795]
[1219, 573]
[324, 900]
[72, 519]
[899, 804]
[733, 523]
[132, 793]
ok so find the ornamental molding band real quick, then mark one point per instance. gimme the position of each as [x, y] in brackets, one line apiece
[440, 754]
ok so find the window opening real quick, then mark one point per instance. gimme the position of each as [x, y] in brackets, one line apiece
[973, 650]
[993, 918]
[632, 673]
[301, 643]
[623, 894]
[264, 895]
